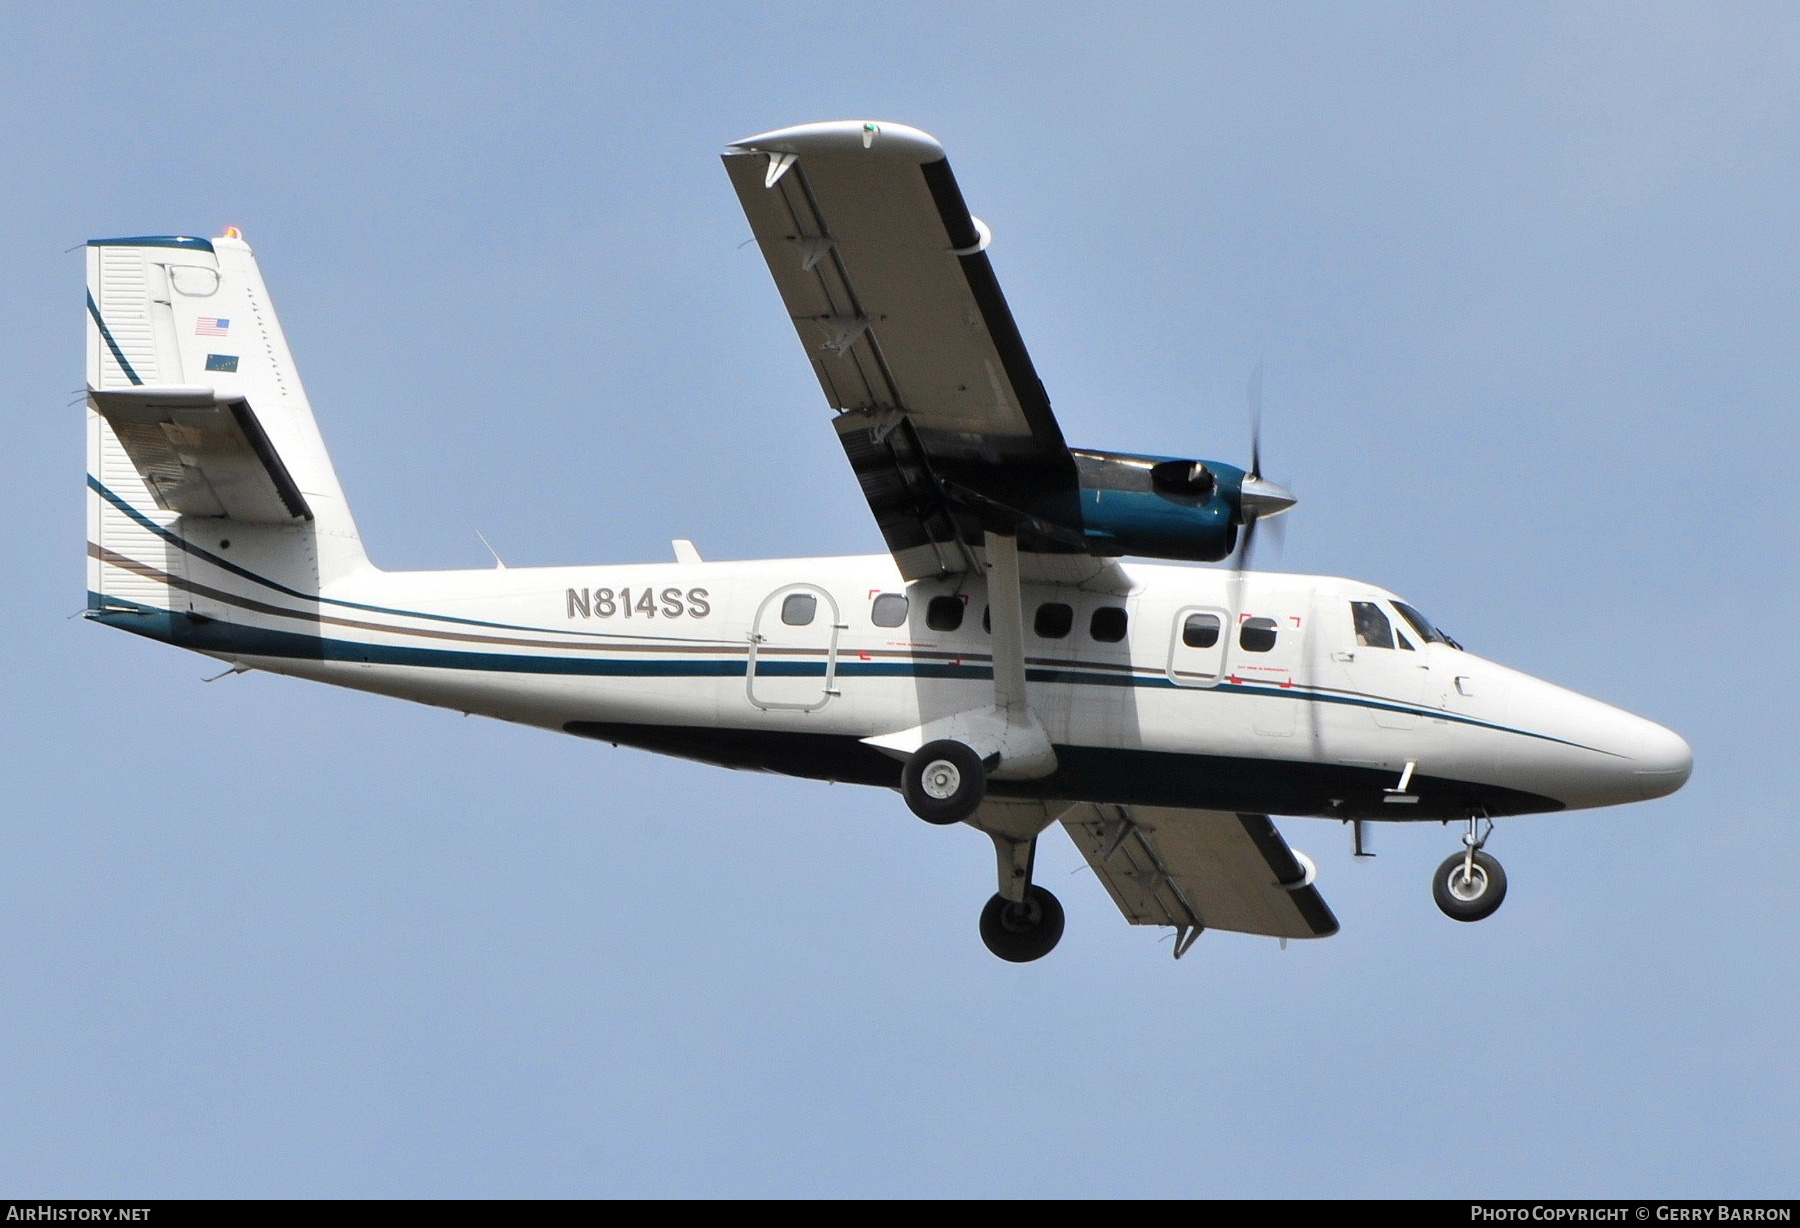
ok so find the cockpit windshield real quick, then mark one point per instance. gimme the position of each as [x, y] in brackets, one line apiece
[1423, 626]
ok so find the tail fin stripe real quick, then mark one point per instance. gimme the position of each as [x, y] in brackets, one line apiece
[106, 336]
[200, 552]
[177, 540]
[238, 601]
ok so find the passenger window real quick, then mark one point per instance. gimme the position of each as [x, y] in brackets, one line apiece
[987, 619]
[1200, 630]
[1257, 635]
[1372, 627]
[944, 613]
[889, 610]
[1108, 624]
[797, 609]
[1054, 620]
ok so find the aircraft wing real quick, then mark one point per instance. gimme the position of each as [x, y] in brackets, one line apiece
[882, 269]
[201, 455]
[1195, 869]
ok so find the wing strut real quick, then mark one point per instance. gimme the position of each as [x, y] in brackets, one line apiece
[1028, 753]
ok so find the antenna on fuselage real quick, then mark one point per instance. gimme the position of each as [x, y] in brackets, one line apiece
[499, 563]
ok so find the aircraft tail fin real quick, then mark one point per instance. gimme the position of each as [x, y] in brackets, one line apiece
[199, 431]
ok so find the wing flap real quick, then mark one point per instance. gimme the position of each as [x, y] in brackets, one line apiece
[200, 454]
[926, 533]
[1199, 868]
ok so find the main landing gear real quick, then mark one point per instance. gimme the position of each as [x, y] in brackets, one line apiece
[1470, 885]
[1023, 921]
[944, 782]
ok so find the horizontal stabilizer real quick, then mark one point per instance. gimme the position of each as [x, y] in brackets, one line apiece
[1200, 868]
[201, 454]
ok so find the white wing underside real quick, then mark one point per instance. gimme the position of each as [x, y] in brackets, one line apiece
[1194, 869]
[884, 274]
[858, 248]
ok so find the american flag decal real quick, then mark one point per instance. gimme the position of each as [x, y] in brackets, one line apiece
[207, 326]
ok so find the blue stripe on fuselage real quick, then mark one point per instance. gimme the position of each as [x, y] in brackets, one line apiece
[230, 639]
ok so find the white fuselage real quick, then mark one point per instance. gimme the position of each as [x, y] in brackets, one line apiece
[781, 665]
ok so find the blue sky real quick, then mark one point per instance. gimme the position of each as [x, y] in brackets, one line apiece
[1524, 281]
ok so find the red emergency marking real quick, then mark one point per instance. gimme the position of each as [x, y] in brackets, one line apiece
[1295, 619]
[873, 592]
[864, 654]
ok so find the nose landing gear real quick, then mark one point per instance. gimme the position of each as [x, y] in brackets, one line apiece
[1470, 885]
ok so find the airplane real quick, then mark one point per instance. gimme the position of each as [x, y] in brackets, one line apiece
[1009, 662]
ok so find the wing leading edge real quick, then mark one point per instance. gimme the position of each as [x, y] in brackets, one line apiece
[883, 271]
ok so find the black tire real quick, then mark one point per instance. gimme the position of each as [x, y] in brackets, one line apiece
[1020, 933]
[1472, 900]
[943, 782]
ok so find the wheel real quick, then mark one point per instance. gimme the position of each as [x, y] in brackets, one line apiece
[943, 782]
[1020, 933]
[1471, 898]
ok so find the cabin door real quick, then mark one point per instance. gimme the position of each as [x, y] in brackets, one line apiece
[1197, 650]
[793, 649]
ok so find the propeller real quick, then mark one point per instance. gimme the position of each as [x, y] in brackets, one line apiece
[1253, 400]
[1260, 498]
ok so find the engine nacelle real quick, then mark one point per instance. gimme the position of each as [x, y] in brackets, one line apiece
[1159, 506]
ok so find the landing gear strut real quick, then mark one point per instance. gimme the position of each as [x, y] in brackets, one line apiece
[945, 780]
[1470, 885]
[1022, 922]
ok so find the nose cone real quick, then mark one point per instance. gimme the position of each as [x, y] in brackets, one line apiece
[1663, 760]
[1583, 752]
[1643, 759]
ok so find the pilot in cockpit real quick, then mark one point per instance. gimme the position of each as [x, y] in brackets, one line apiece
[1372, 627]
